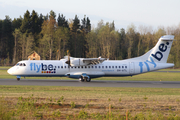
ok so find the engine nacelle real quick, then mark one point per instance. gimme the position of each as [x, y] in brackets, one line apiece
[83, 61]
[78, 62]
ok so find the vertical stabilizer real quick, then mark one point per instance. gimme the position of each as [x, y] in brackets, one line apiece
[161, 50]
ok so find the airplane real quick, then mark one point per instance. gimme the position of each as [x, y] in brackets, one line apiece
[85, 69]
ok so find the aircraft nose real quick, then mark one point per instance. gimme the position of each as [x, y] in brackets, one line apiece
[10, 71]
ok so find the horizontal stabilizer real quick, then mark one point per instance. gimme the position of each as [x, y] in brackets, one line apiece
[167, 37]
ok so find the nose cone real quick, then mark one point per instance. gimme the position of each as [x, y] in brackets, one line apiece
[10, 71]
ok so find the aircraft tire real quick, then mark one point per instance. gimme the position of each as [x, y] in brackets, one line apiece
[18, 79]
[88, 80]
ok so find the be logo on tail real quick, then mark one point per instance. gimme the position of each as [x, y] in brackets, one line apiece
[162, 48]
[159, 54]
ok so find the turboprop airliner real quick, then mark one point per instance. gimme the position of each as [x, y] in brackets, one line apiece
[86, 68]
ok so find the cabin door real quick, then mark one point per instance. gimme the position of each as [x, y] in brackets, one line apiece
[131, 68]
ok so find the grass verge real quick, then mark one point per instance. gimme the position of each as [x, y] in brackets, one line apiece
[56, 102]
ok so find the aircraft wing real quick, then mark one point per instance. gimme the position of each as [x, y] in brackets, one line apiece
[83, 61]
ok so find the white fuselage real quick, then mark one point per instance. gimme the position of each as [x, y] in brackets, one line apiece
[59, 68]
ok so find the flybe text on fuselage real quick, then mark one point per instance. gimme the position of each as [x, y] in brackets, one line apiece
[42, 67]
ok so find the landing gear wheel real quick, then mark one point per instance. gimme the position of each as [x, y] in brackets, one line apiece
[88, 79]
[81, 79]
[18, 79]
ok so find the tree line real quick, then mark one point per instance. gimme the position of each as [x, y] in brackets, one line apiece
[51, 36]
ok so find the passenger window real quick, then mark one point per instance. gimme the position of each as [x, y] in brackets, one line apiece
[58, 66]
[61, 66]
[119, 66]
[106, 66]
[102, 66]
[112, 66]
[99, 66]
[88, 66]
[125, 66]
[75, 67]
[95, 66]
[92, 66]
[122, 66]
[85, 66]
[81, 66]
[109, 66]
[78, 66]
[64, 66]
[116, 66]
[71, 67]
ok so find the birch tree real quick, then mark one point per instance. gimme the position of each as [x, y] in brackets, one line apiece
[48, 31]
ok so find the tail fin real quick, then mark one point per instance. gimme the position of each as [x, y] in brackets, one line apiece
[161, 50]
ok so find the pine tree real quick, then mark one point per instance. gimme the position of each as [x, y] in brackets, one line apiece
[26, 23]
[53, 14]
[40, 22]
[7, 39]
[88, 25]
[74, 38]
[62, 22]
[34, 28]
[76, 24]
[16, 23]
[123, 45]
[34, 23]
[112, 26]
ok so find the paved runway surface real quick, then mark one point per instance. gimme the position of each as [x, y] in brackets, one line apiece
[93, 83]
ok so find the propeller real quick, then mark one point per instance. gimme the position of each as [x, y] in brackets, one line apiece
[68, 60]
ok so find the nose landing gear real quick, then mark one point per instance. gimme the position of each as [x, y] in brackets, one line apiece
[18, 78]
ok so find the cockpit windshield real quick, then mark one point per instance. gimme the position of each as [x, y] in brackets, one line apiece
[20, 64]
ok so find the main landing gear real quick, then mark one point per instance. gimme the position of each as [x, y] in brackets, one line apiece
[85, 79]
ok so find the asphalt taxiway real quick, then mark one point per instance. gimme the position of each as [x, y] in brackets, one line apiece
[93, 83]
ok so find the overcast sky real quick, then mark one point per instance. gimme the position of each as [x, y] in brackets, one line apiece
[124, 12]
